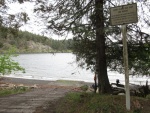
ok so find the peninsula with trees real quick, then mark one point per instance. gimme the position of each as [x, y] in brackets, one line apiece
[26, 42]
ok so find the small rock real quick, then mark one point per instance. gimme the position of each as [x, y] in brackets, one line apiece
[20, 85]
[11, 85]
[3, 85]
[121, 93]
[34, 86]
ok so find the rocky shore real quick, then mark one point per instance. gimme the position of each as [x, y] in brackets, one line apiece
[8, 82]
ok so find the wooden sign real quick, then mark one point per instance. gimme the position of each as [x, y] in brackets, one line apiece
[124, 14]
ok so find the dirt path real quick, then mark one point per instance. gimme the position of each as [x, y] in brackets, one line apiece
[42, 93]
[29, 101]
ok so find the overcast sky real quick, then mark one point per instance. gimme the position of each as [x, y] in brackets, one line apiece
[35, 27]
[28, 8]
[38, 27]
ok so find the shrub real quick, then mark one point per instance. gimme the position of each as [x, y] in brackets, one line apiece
[7, 65]
[84, 87]
[148, 96]
[1, 44]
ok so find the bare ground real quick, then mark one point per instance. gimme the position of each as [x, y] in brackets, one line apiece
[38, 98]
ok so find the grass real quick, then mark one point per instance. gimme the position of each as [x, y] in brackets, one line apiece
[16, 90]
[96, 103]
[84, 88]
[66, 81]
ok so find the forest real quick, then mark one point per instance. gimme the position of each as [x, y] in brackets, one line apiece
[26, 42]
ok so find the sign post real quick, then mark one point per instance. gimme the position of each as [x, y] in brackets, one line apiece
[123, 15]
[125, 57]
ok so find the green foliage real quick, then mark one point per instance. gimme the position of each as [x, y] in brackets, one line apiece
[22, 40]
[138, 55]
[61, 45]
[72, 100]
[1, 45]
[89, 103]
[16, 90]
[74, 97]
[84, 87]
[95, 103]
[69, 17]
[148, 96]
[7, 65]
[94, 37]
[58, 45]
[3, 32]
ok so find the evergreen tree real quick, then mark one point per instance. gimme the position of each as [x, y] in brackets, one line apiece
[96, 43]
[84, 18]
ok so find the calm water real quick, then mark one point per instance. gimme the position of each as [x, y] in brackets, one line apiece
[60, 66]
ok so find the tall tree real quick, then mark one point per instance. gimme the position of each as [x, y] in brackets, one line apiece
[138, 42]
[85, 19]
[103, 82]
[88, 20]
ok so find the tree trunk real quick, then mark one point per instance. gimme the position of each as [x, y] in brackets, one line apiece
[103, 82]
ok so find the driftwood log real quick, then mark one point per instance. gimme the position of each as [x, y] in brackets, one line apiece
[135, 90]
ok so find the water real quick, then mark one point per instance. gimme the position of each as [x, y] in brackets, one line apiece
[61, 66]
[51, 67]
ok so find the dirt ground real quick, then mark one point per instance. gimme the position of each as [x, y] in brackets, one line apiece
[36, 100]
[46, 95]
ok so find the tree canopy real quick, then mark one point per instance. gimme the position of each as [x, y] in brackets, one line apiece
[79, 17]
[26, 42]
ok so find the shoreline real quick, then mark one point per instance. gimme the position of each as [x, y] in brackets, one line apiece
[59, 82]
[29, 82]
[23, 81]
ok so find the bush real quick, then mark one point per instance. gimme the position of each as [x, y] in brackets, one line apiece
[1, 44]
[7, 65]
[84, 87]
[148, 96]
[5, 92]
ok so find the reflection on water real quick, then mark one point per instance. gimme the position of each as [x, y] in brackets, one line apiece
[60, 66]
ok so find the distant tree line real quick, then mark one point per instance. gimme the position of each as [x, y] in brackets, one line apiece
[13, 38]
